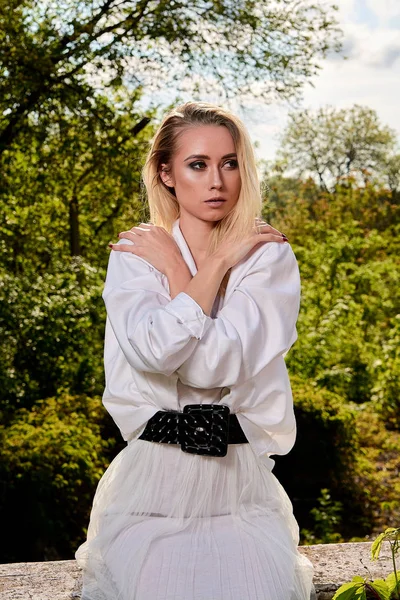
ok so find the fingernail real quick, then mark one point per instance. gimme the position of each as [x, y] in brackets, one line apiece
[110, 245]
[285, 239]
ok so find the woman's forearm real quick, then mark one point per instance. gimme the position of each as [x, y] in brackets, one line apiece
[203, 287]
[178, 276]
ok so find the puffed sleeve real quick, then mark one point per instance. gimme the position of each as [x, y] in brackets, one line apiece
[256, 324]
[155, 333]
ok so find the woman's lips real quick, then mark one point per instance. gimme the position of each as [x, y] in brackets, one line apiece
[215, 203]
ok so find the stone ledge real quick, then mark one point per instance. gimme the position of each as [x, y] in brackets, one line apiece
[333, 563]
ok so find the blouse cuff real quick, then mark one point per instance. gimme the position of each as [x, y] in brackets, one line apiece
[190, 314]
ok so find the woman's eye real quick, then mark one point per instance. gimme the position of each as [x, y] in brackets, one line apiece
[231, 164]
[199, 164]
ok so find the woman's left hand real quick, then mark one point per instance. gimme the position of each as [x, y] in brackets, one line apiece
[152, 243]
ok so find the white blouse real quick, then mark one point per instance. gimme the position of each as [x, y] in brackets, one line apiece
[161, 354]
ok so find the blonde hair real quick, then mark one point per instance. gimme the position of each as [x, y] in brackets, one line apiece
[163, 205]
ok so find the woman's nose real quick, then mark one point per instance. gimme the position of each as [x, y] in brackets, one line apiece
[215, 179]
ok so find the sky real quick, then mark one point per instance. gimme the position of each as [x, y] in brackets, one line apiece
[370, 76]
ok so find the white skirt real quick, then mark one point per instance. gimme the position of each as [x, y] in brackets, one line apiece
[167, 525]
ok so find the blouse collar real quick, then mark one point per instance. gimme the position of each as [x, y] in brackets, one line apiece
[184, 248]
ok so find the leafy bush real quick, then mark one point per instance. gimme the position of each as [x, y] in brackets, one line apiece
[327, 518]
[378, 461]
[385, 371]
[51, 334]
[324, 457]
[51, 459]
[347, 247]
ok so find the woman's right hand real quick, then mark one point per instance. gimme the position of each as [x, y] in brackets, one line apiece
[152, 243]
[233, 252]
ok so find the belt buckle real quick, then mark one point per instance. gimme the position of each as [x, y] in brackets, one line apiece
[204, 429]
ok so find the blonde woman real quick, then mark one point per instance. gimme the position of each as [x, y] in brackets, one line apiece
[201, 305]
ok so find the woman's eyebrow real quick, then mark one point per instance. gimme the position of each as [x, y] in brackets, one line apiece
[204, 156]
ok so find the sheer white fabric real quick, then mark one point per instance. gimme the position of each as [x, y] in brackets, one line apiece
[167, 525]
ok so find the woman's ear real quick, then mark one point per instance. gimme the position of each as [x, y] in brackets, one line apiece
[166, 176]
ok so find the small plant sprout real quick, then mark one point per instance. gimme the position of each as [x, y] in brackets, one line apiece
[362, 588]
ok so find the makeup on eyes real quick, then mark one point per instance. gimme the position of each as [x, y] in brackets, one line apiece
[194, 164]
[206, 157]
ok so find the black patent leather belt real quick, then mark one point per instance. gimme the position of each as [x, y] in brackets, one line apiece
[200, 429]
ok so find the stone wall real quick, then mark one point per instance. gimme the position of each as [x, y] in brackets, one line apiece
[334, 564]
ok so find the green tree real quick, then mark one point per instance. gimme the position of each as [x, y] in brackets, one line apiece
[61, 53]
[347, 246]
[69, 181]
[331, 144]
[392, 175]
[385, 373]
[51, 334]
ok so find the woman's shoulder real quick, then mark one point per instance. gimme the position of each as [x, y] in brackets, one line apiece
[270, 255]
[124, 265]
[272, 264]
[277, 251]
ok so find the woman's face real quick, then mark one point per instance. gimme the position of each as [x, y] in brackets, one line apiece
[204, 167]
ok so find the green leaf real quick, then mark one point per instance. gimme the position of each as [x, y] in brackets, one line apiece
[376, 546]
[380, 586]
[391, 583]
[351, 590]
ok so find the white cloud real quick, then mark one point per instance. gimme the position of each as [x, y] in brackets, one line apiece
[385, 10]
[375, 48]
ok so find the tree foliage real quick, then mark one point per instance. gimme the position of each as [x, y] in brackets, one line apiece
[59, 54]
[347, 247]
[70, 181]
[51, 458]
[324, 457]
[331, 144]
[346, 242]
[51, 335]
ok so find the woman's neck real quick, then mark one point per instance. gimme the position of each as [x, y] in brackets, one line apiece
[196, 233]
